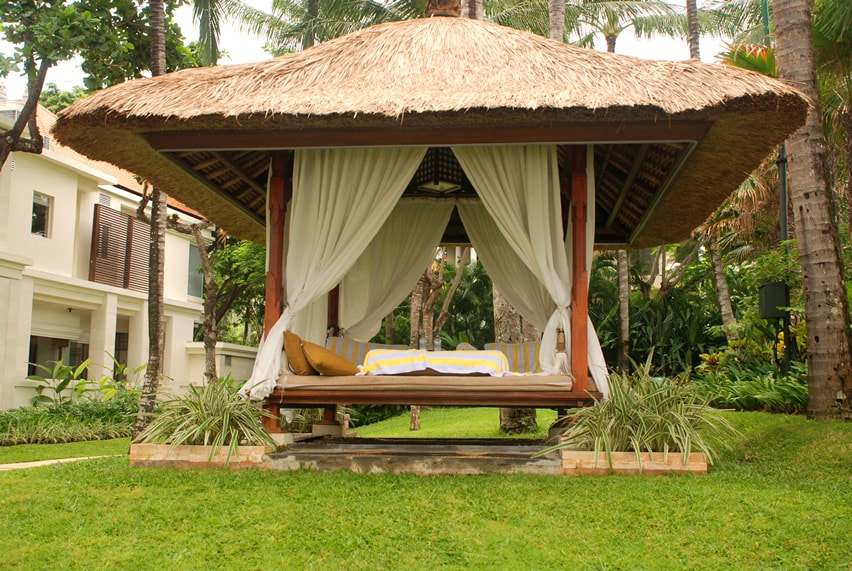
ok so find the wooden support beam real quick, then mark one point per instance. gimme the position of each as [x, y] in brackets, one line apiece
[580, 289]
[392, 135]
[333, 319]
[278, 194]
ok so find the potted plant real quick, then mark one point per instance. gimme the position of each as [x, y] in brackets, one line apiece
[647, 425]
[211, 425]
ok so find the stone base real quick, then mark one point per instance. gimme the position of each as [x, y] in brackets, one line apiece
[164, 455]
[580, 462]
[329, 428]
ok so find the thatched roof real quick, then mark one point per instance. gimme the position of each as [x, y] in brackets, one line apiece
[677, 137]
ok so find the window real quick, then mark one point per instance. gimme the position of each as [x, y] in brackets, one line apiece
[195, 282]
[42, 204]
[46, 351]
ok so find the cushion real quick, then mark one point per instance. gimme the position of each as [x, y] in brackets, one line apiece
[523, 357]
[295, 355]
[429, 363]
[326, 362]
[355, 351]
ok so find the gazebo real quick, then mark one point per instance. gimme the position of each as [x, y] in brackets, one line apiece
[354, 158]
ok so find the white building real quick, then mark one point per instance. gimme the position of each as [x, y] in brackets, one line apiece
[73, 272]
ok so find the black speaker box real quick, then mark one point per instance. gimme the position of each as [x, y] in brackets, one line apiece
[773, 297]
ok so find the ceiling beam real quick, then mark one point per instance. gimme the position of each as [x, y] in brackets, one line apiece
[187, 168]
[628, 183]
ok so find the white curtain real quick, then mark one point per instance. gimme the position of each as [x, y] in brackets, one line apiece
[519, 189]
[523, 290]
[341, 198]
[389, 268]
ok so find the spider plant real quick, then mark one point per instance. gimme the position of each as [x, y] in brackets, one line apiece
[214, 415]
[648, 414]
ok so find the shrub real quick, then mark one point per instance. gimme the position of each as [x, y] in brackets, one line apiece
[648, 414]
[760, 392]
[69, 422]
[214, 415]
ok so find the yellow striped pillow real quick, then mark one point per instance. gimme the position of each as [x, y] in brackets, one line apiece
[355, 351]
[523, 357]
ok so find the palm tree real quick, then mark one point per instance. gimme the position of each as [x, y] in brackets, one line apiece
[298, 24]
[823, 282]
[156, 255]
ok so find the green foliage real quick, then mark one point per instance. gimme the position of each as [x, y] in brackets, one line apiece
[239, 270]
[366, 414]
[110, 35]
[68, 422]
[471, 309]
[753, 387]
[214, 415]
[62, 383]
[471, 318]
[56, 100]
[648, 414]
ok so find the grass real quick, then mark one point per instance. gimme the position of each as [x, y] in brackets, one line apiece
[452, 423]
[781, 499]
[33, 452]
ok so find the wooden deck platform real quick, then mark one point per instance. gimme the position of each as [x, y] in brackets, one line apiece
[520, 391]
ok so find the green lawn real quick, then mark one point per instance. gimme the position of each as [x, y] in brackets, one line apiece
[33, 452]
[781, 499]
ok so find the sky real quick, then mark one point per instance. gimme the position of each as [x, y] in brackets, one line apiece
[243, 48]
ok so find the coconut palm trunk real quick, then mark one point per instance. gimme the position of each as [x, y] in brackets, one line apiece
[556, 9]
[507, 329]
[823, 282]
[623, 310]
[692, 34]
[157, 251]
[722, 292]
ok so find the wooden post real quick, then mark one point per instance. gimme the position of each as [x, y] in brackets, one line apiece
[333, 320]
[580, 289]
[278, 196]
[279, 193]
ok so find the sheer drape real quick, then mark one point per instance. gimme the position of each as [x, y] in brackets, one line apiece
[389, 268]
[519, 189]
[341, 198]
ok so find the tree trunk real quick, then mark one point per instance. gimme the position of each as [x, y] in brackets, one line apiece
[156, 257]
[12, 140]
[158, 37]
[823, 282]
[156, 318]
[623, 310]
[211, 291]
[444, 314]
[507, 329]
[692, 35]
[556, 8]
[472, 9]
[389, 328]
[415, 303]
[728, 319]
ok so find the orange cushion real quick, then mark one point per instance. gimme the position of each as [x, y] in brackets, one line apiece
[326, 362]
[295, 355]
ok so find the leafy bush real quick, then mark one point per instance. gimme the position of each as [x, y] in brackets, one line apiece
[214, 415]
[648, 414]
[68, 422]
[762, 392]
[52, 388]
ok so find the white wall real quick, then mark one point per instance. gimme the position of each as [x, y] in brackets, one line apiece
[56, 252]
